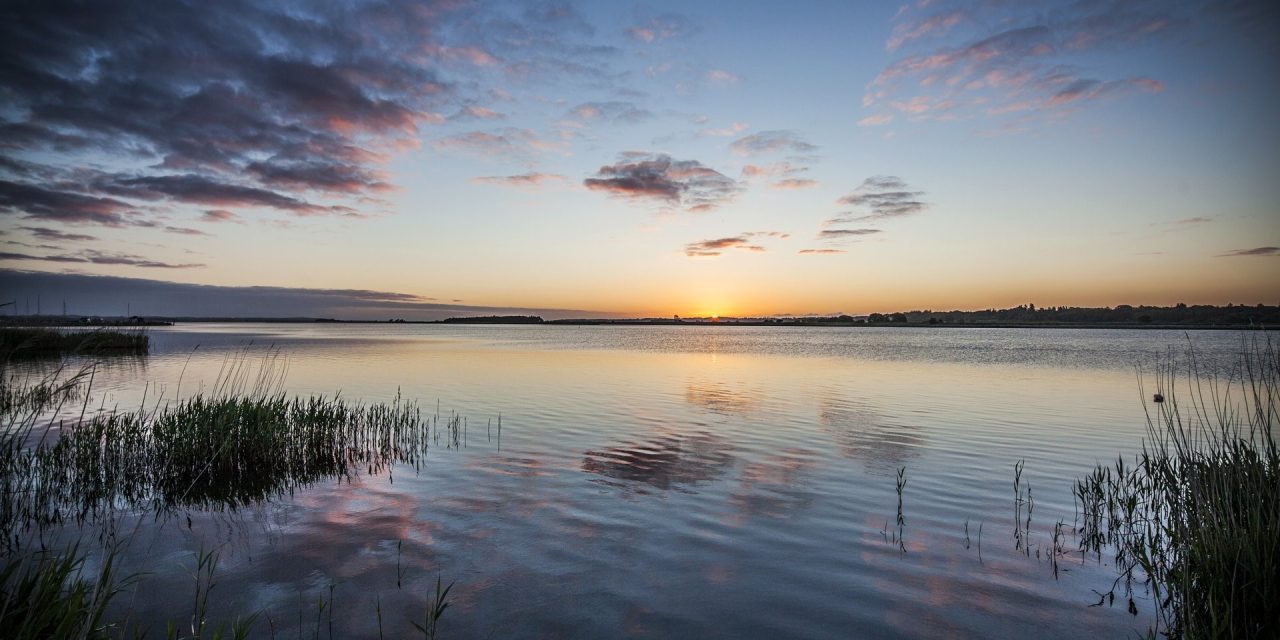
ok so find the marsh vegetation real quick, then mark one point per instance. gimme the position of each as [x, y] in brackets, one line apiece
[1194, 518]
[19, 342]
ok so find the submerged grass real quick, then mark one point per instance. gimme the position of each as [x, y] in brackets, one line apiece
[1196, 517]
[35, 342]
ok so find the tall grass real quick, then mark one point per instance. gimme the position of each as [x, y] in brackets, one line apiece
[50, 594]
[205, 452]
[18, 342]
[1196, 517]
[240, 441]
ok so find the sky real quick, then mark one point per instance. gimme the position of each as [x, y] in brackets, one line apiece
[712, 158]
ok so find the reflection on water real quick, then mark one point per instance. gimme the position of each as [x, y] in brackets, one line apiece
[720, 397]
[861, 433]
[670, 462]
[774, 487]
[668, 481]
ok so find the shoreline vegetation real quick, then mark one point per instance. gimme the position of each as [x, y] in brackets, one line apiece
[1194, 519]
[1180, 316]
[35, 342]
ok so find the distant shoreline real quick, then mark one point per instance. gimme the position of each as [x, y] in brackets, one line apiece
[48, 321]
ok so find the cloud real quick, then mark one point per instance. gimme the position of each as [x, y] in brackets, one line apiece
[477, 112]
[657, 29]
[959, 67]
[185, 231]
[661, 179]
[720, 76]
[501, 144]
[876, 120]
[524, 180]
[219, 215]
[794, 183]
[934, 25]
[724, 132]
[775, 169]
[203, 190]
[616, 112]
[836, 234]
[45, 233]
[89, 294]
[39, 203]
[1260, 251]
[536, 43]
[268, 97]
[91, 256]
[771, 142]
[820, 251]
[744, 241]
[880, 197]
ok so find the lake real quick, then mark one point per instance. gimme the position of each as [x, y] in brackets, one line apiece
[710, 481]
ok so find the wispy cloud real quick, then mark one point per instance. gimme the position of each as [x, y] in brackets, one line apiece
[185, 231]
[747, 241]
[477, 112]
[771, 142]
[720, 76]
[525, 180]
[724, 132]
[509, 144]
[820, 251]
[91, 256]
[45, 233]
[958, 66]
[616, 112]
[795, 183]
[219, 215]
[659, 28]
[777, 169]
[659, 178]
[1259, 251]
[877, 120]
[837, 234]
[880, 197]
[928, 26]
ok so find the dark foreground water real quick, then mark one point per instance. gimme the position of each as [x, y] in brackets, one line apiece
[671, 481]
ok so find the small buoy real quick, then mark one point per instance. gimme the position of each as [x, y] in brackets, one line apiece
[1159, 397]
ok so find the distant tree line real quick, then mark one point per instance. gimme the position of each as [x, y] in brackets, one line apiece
[1179, 314]
[494, 320]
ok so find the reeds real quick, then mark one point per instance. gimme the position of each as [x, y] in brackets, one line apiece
[34, 342]
[241, 441]
[1196, 518]
[50, 595]
[206, 452]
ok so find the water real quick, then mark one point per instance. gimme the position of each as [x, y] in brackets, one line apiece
[672, 481]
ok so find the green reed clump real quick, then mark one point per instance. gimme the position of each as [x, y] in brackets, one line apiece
[1196, 516]
[206, 452]
[51, 595]
[17, 341]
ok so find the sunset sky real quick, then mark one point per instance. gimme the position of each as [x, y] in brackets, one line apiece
[646, 159]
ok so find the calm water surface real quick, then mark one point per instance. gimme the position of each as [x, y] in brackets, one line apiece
[674, 481]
